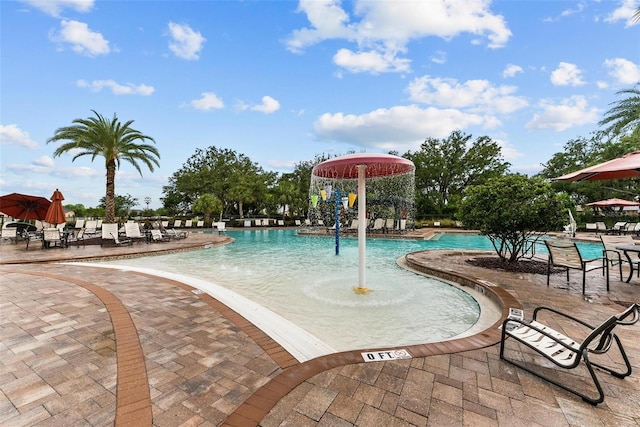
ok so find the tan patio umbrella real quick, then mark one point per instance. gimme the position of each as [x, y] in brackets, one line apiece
[55, 214]
[627, 166]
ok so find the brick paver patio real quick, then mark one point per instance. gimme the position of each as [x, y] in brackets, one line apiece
[89, 346]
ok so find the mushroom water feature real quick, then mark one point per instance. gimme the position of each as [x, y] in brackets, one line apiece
[359, 168]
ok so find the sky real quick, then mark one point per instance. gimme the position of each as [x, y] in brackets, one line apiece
[284, 81]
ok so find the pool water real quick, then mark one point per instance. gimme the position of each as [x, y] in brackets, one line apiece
[300, 278]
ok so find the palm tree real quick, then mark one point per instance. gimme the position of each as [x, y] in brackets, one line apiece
[625, 116]
[97, 136]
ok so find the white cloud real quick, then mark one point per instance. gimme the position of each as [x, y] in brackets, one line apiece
[439, 57]
[624, 71]
[371, 61]
[12, 134]
[570, 112]
[398, 128]
[567, 75]
[382, 30]
[268, 106]
[44, 161]
[117, 88]
[186, 43]
[54, 7]
[624, 13]
[207, 101]
[479, 96]
[82, 39]
[511, 70]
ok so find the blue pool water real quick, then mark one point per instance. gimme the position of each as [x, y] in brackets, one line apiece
[300, 278]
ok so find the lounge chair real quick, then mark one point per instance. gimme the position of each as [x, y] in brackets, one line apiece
[280, 223]
[630, 228]
[200, 224]
[389, 225]
[164, 224]
[436, 223]
[307, 222]
[76, 238]
[378, 225]
[591, 226]
[123, 242]
[79, 224]
[132, 232]
[10, 234]
[157, 236]
[614, 256]
[617, 228]
[353, 226]
[247, 223]
[320, 223]
[91, 228]
[171, 232]
[221, 227]
[569, 352]
[108, 231]
[565, 254]
[177, 223]
[297, 222]
[402, 225]
[188, 223]
[601, 227]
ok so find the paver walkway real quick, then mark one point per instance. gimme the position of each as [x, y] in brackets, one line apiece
[60, 357]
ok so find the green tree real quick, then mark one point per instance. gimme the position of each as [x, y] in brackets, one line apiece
[229, 176]
[444, 168]
[97, 136]
[79, 210]
[122, 204]
[512, 211]
[624, 117]
[207, 204]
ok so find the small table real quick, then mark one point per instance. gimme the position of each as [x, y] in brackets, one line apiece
[628, 249]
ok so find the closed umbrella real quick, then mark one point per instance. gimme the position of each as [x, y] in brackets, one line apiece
[55, 214]
[24, 206]
[627, 166]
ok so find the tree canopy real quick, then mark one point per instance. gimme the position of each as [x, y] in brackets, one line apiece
[512, 210]
[444, 168]
[111, 139]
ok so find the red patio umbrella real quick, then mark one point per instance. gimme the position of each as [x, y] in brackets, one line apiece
[55, 214]
[627, 166]
[24, 206]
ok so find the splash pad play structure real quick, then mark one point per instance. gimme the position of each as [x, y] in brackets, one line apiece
[338, 176]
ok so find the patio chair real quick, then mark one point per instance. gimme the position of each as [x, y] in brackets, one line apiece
[614, 256]
[569, 352]
[32, 237]
[52, 238]
[563, 253]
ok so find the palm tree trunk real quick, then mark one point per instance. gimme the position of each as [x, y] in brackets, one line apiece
[110, 196]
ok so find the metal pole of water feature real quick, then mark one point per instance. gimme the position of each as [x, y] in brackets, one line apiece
[362, 227]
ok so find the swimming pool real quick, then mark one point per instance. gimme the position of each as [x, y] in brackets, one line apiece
[300, 278]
